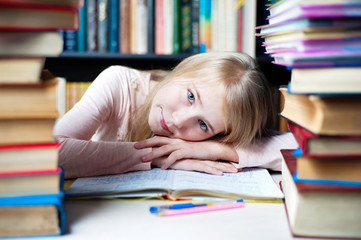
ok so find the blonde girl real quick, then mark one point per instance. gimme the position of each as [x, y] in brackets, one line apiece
[212, 106]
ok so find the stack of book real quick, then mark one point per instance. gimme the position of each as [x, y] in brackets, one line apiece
[320, 41]
[31, 182]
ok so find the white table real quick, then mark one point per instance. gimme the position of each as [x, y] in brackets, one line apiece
[128, 220]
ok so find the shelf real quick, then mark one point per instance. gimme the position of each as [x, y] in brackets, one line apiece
[108, 55]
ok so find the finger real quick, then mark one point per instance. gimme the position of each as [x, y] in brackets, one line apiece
[222, 166]
[196, 165]
[173, 157]
[152, 142]
[159, 152]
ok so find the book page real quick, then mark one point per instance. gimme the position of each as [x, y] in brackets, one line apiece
[255, 182]
[133, 181]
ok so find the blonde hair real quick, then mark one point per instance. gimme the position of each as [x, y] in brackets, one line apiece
[247, 103]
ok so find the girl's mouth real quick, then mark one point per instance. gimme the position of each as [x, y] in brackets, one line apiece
[162, 122]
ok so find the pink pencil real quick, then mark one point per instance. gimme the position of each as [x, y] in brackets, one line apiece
[222, 206]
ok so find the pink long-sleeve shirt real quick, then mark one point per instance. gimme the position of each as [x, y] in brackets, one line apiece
[93, 131]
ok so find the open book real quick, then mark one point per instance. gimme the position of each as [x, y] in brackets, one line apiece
[248, 184]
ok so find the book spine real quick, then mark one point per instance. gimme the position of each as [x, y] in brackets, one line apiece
[239, 28]
[141, 27]
[102, 25]
[195, 26]
[168, 26]
[81, 34]
[159, 27]
[92, 25]
[113, 13]
[150, 30]
[124, 19]
[70, 41]
[186, 26]
[205, 7]
[176, 27]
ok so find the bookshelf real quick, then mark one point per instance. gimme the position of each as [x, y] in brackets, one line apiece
[85, 66]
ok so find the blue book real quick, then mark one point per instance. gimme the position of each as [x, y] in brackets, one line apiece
[150, 30]
[33, 215]
[113, 13]
[103, 19]
[326, 181]
[82, 34]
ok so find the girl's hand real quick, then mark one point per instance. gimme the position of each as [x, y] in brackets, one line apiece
[211, 167]
[177, 149]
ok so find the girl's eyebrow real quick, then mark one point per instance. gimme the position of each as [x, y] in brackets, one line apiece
[200, 101]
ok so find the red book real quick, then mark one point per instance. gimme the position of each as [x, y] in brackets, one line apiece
[320, 210]
[65, 4]
[36, 182]
[28, 157]
[313, 144]
[20, 15]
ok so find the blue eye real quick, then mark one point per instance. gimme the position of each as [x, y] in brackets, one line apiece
[203, 125]
[190, 97]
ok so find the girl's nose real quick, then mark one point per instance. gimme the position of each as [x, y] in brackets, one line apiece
[181, 118]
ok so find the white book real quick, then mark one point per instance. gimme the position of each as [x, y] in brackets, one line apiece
[253, 183]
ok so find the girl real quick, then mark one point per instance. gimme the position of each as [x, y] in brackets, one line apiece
[212, 106]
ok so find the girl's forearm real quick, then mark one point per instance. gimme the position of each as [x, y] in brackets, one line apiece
[265, 152]
[81, 158]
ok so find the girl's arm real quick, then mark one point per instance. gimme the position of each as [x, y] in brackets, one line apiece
[264, 153]
[104, 107]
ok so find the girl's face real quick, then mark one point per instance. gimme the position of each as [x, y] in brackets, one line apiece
[188, 110]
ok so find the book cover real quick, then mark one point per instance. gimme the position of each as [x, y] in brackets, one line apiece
[308, 205]
[28, 69]
[329, 115]
[28, 157]
[25, 17]
[30, 43]
[312, 144]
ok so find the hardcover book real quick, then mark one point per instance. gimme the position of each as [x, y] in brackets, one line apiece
[319, 210]
[28, 157]
[333, 115]
[15, 16]
[312, 144]
[338, 80]
[30, 43]
[30, 183]
[28, 69]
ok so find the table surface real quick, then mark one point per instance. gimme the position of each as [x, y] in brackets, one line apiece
[119, 219]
